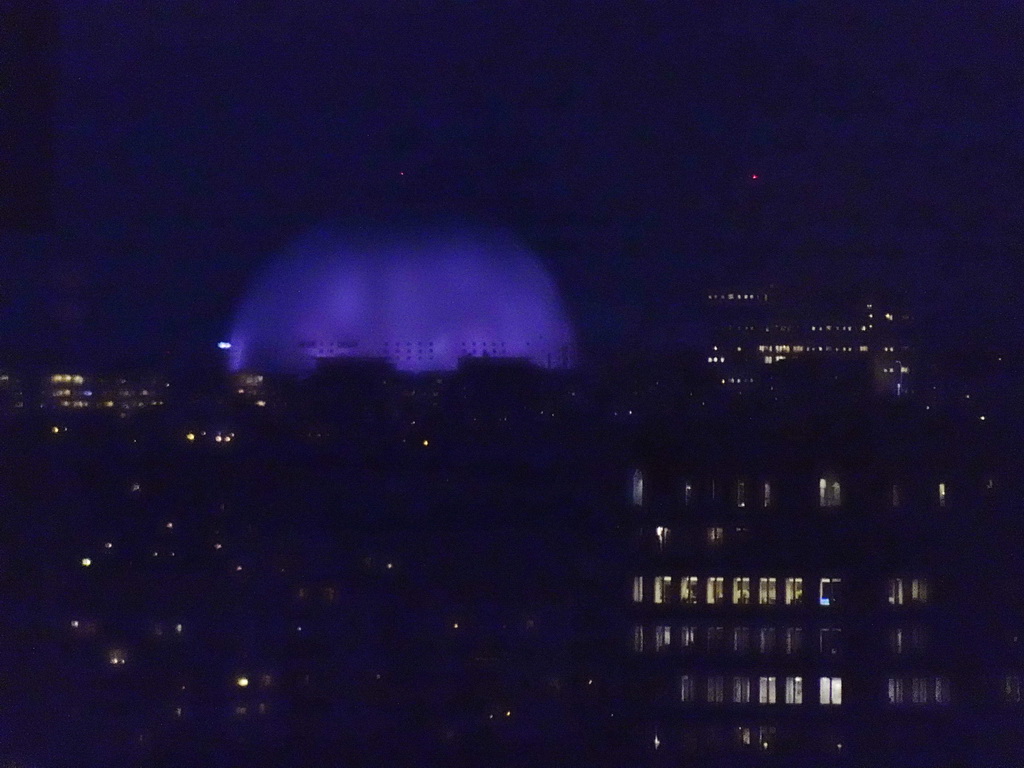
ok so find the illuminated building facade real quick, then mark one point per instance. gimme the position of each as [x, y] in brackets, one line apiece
[754, 329]
[77, 391]
[12, 396]
[823, 602]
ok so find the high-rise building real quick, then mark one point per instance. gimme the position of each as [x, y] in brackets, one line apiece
[822, 600]
[753, 329]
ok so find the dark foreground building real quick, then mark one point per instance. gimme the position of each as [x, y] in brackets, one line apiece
[830, 589]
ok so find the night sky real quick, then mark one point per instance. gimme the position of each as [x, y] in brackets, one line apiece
[195, 139]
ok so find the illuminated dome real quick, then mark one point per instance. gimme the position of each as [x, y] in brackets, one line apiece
[421, 301]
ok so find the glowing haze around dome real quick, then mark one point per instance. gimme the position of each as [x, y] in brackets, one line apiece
[421, 300]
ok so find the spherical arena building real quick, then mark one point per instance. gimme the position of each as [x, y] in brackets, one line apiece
[422, 300]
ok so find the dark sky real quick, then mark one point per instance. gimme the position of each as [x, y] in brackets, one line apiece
[195, 138]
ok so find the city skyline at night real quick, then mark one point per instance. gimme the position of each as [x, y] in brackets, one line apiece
[511, 383]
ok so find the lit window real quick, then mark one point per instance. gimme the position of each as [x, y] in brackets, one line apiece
[794, 590]
[715, 590]
[828, 591]
[895, 591]
[766, 591]
[662, 588]
[638, 589]
[716, 690]
[688, 589]
[638, 488]
[942, 694]
[662, 534]
[830, 690]
[942, 494]
[794, 690]
[828, 641]
[766, 495]
[919, 590]
[741, 493]
[741, 639]
[919, 690]
[687, 492]
[894, 495]
[897, 640]
[741, 590]
[1012, 689]
[687, 636]
[741, 690]
[687, 688]
[715, 535]
[829, 494]
[743, 735]
[766, 736]
[766, 690]
[794, 640]
[895, 690]
[638, 639]
[662, 637]
[766, 640]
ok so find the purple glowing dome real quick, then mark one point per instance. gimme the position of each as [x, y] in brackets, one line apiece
[421, 301]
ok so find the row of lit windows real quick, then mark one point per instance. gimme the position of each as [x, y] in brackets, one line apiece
[901, 591]
[737, 297]
[107, 403]
[745, 737]
[918, 690]
[795, 349]
[712, 590]
[768, 689]
[778, 357]
[717, 689]
[744, 493]
[217, 437]
[763, 640]
[741, 492]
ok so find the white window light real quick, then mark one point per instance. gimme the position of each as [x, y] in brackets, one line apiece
[662, 637]
[741, 590]
[638, 488]
[715, 590]
[794, 590]
[766, 690]
[830, 691]
[794, 690]
[662, 588]
[688, 589]
[687, 688]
